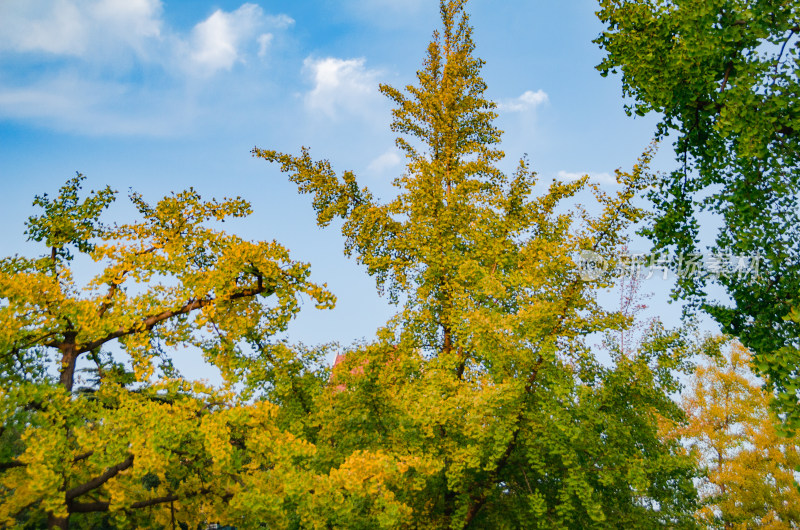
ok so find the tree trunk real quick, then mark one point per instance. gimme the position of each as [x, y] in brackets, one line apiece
[447, 347]
[68, 358]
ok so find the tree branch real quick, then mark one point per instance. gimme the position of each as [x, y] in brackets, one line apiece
[104, 506]
[150, 322]
[477, 500]
[31, 342]
[114, 286]
[96, 482]
[728, 69]
[11, 465]
[82, 456]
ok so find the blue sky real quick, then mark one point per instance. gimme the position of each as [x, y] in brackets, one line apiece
[163, 95]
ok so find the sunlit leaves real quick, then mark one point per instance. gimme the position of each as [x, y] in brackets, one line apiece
[750, 477]
[168, 281]
[68, 221]
[485, 373]
[482, 403]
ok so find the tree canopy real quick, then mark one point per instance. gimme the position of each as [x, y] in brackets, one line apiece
[167, 281]
[487, 373]
[723, 76]
[485, 402]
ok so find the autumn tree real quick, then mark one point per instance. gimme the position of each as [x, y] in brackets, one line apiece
[484, 390]
[166, 281]
[749, 480]
[481, 404]
[722, 75]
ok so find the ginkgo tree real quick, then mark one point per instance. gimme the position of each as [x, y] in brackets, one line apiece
[482, 404]
[165, 281]
[189, 267]
[487, 374]
[722, 77]
[750, 479]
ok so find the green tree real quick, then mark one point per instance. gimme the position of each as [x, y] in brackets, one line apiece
[749, 480]
[723, 76]
[485, 387]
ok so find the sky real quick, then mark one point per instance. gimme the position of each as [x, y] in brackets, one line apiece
[157, 96]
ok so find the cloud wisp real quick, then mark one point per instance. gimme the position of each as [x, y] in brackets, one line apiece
[385, 162]
[529, 100]
[79, 28]
[219, 42]
[91, 57]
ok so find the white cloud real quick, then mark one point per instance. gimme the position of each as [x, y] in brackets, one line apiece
[341, 84]
[222, 40]
[216, 42]
[135, 17]
[599, 178]
[92, 47]
[102, 31]
[279, 21]
[386, 161]
[79, 28]
[527, 101]
[31, 25]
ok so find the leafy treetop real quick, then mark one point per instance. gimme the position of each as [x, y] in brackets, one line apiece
[155, 273]
[723, 75]
[485, 374]
[750, 467]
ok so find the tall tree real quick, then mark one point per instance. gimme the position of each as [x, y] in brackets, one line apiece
[750, 471]
[723, 75]
[484, 387]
